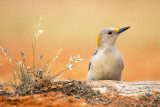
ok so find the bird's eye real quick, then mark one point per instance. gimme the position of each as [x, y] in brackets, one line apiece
[109, 32]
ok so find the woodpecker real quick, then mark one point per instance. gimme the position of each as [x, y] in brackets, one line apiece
[106, 63]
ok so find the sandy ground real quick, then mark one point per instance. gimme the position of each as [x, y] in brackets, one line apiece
[74, 27]
[41, 100]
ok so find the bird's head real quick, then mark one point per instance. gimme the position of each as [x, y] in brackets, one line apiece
[108, 36]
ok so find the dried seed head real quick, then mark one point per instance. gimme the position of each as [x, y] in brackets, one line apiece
[38, 33]
[4, 51]
[22, 53]
[73, 61]
[10, 60]
[20, 63]
[69, 66]
[40, 21]
[41, 57]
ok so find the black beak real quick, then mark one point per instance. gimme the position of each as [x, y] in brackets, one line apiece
[122, 29]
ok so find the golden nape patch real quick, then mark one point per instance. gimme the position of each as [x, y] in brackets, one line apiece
[98, 40]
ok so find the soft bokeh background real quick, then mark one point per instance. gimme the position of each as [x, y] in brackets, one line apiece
[73, 25]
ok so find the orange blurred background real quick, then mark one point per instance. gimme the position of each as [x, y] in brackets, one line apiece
[74, 25]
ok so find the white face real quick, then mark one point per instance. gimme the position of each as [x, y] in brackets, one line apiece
[108, 36]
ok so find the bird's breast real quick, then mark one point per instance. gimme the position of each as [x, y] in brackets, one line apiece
[111, 59]
[107, 65]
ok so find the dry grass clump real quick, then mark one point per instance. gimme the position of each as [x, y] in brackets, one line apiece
[28, 78]
[78, 89]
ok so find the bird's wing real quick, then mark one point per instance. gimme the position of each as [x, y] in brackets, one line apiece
[91, 59]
